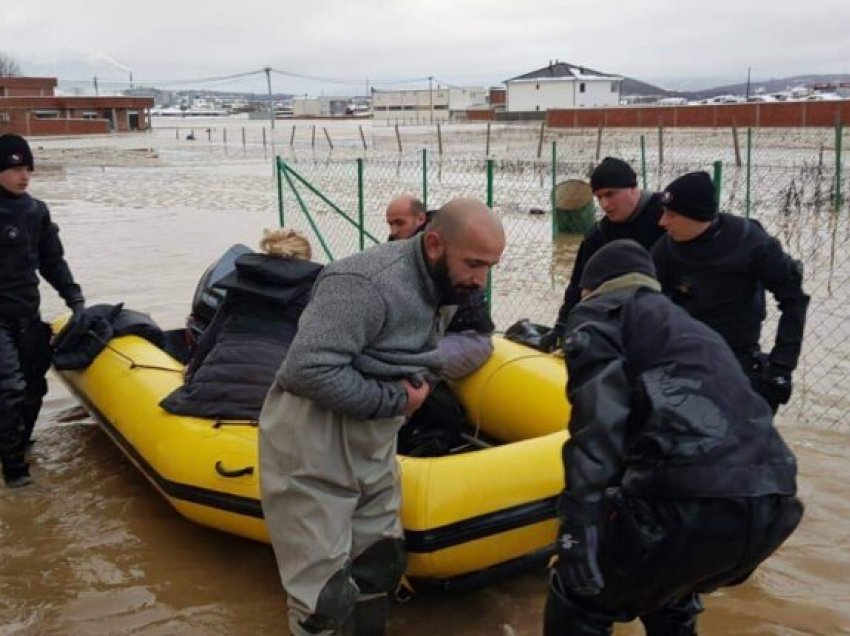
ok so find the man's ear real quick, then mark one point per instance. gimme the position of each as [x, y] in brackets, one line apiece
[434, 246]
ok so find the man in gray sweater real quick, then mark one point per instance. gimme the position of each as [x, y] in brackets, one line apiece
[360, 363]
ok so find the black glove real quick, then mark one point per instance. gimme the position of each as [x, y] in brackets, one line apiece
[774, 383]
[577, 567]
[552, 341]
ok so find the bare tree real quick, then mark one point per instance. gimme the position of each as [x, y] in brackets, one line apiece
[9, 65]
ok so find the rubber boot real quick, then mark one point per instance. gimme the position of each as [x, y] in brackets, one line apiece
[563, 618]
[679, 618]
[369, 617]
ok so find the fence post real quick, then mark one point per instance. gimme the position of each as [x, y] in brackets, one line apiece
[660, 144]
[244, 143]
[292, 136]
[361, 204]
[425, 177]
[328, 137]
[839, 134]
[598, 143]
[718, 181]
[749, 171]
[279, 190]
[362, 137]
[313, 137]
[737, 145]
[643, 160]
[540, 140]
[398, 138]
[487, 148]
[439, 139]
[264, 138]
[489, 293]
[554, 185]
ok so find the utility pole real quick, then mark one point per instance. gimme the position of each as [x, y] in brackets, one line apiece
[95, 85]
[131, 80]
[268, 72]
[431, 97]
[748, 83]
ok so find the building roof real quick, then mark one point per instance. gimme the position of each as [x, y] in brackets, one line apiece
[563, 70]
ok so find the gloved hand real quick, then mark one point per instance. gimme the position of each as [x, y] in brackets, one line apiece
[577, 567]
[77, 315]
[552, 341]
[775, 385]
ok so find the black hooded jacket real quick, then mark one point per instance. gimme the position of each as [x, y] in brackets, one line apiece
[721, 276]
[661, 407]
[244, 345]
[641, 227]
[29, 243]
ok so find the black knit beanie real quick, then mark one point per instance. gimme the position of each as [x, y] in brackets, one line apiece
[14, 152]
[691, 195]
[617, 258]
[612, 173]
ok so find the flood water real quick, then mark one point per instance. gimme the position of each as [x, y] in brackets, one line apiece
[93, 549]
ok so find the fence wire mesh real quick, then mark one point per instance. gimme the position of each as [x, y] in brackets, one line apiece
[786, 179]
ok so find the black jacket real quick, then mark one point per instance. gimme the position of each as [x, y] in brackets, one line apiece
[720, 278]
[661, 407]
[244, 345]
[641, 227]
[29, 243]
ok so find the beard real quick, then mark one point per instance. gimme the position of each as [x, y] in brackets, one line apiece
[450, 292]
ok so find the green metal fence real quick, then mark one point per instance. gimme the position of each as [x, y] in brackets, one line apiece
[790, 180]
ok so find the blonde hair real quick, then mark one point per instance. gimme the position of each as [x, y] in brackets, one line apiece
[285, 243]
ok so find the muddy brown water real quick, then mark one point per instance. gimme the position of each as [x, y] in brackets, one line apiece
[93, 549]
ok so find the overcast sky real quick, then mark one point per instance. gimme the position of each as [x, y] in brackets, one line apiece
[676, 43]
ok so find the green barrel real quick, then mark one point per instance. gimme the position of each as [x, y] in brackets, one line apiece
[574, 208]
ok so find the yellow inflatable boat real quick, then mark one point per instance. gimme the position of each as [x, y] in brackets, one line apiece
[469, 518]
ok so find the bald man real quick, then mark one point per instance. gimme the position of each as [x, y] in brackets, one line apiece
[406, 216]
[360, 363]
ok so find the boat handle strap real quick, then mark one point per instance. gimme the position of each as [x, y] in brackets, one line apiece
[238, 472]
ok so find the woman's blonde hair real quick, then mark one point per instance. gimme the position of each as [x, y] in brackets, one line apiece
[285, 243]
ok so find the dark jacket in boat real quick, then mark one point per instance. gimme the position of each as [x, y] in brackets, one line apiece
[242, 348]
[661, 407]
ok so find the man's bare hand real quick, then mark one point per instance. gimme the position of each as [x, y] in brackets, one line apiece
[415, 395]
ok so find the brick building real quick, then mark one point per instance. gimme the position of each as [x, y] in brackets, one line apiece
[29, 107]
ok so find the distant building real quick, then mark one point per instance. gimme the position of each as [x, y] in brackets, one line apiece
[29, 106]
[422, 106]
[323, 106]
[562, 85]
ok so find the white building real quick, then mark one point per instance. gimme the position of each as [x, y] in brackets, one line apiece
[562, 85]
[323, 106]
[423, 106]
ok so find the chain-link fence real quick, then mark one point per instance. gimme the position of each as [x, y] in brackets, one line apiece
[787, 179]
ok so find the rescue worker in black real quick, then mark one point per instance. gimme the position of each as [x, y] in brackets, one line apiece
[717, 267]
[29, 243]
[677, 481]
[630, 213]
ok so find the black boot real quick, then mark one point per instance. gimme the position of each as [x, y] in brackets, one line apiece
[563, 618]
[16, 472]
[679, 618]
[369, 617]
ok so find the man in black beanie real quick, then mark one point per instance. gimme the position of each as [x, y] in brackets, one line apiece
[29, 240]
[717, 266]
[677, 482]
[630, 213]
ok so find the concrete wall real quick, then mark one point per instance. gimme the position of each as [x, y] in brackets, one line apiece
[779, 114]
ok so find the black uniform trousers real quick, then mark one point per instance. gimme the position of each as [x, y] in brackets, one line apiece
[24, 361]
[656, 555]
